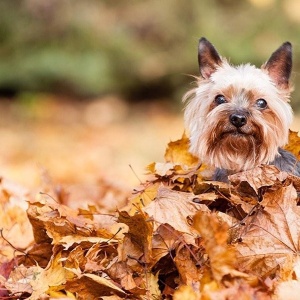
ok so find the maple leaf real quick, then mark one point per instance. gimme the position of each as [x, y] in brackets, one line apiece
[289, 287]
[165, 239]
[19, 280]
[123, 274]
[161, 169]
[222, 257]
[294, 144]
[260, 176]
[142, 197]
[13, 220]
[140, 231]
[53, 222]
[187, 263]
[37, 281]
[174, 208]
[178, 152]
[270, 237]
[91, 286]
[185, 292]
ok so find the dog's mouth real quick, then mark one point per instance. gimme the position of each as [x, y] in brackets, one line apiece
[237, 132]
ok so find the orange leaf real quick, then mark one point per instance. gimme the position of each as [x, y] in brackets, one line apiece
[258, 177]
[270, 238]
[178, 152]
[214, 233]
[294, 144]
[174, 208]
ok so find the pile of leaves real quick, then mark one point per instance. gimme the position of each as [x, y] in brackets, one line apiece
[180, 237]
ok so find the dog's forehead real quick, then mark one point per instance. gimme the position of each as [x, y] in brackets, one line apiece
[243, 78]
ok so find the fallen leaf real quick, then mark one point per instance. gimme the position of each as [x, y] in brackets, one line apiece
[260, 176]
[142, 197]
[165, 239]
[13, 220]
[294, 144]
[140, 230]
[188, 264]
[270, 237]
[50, 278]
[222, 257]
[178, 152]
[185, 292]
[174, 208]
[90, 286]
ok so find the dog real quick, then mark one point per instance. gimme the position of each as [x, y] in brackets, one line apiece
[239, 117]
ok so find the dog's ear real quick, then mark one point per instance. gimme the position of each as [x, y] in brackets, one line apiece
[279, 65]
[208, 58]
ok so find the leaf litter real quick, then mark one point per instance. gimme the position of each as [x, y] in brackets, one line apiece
[180, 236]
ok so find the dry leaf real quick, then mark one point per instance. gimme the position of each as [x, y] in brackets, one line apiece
[186, 292]
[140, 230]
[174, 208]
[51, 278]
[293, 144]
[90, 286]
[165, 239]
[178, 153]
[188, 267]
[222, 257]
[168, 246]
[271, 235]
[258, 177]
[13, 219]
[143, 197]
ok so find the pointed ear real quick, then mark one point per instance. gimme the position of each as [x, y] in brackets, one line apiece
[208, 58]
[279, 65]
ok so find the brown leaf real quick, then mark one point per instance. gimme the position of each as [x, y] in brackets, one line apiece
[178, 153]
[270, 238]
[140, 230]
[19, 279]
[53, 222]
[186, 265]
[54, 275]
[90, 286]
[165, 239]
[143, 197]
[174, 208]
[121, 273]
[294, 144]
[38, 254]
[214, 233]
[258, 177]
[15, 227]
[185, 292]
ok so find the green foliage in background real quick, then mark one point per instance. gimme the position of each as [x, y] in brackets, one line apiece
[136, 48]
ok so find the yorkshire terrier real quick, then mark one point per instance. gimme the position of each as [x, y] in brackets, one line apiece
[238, 117]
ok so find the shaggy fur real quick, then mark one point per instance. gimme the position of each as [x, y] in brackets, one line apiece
[239, 116]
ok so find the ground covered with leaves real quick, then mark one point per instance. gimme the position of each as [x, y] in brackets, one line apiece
[180, 236]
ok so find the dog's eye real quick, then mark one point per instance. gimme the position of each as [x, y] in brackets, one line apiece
[261, 103]
[220, 99]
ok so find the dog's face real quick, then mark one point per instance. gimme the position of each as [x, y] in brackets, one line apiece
[239, 116]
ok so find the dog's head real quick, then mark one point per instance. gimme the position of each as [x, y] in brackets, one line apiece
[238, 116]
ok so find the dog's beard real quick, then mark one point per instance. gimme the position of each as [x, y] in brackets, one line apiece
[223, 145]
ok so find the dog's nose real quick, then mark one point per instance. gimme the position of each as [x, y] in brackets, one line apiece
[238, 120]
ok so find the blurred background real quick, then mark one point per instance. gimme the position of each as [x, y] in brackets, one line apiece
[91, 90]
